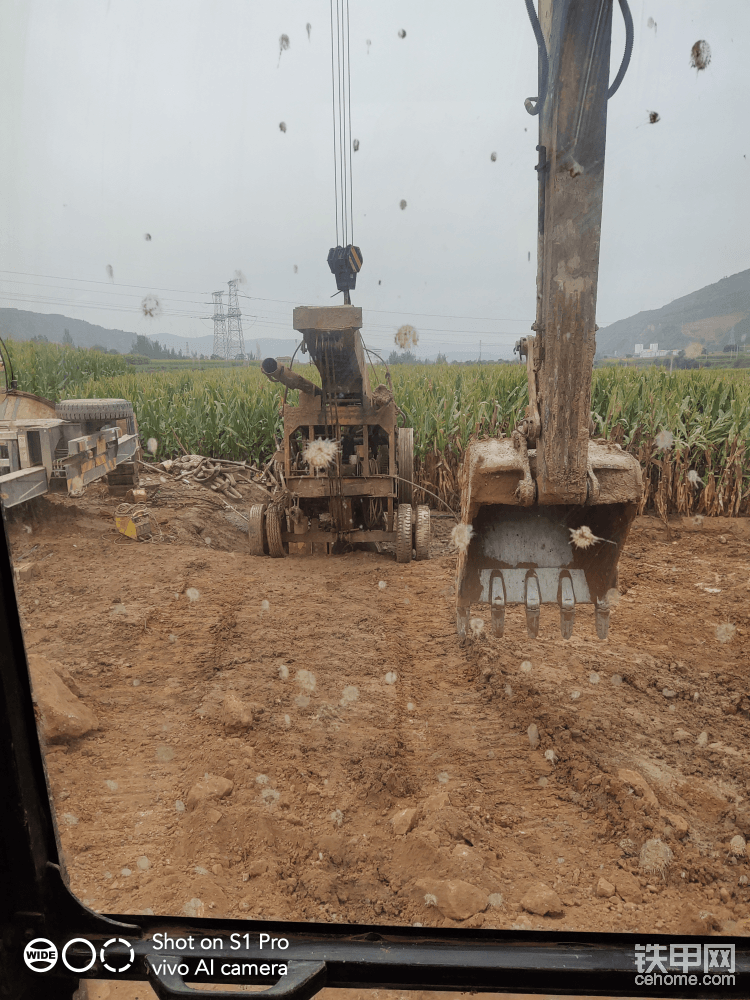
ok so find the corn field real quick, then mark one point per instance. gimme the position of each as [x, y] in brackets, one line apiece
[57, 372]
[690, 430]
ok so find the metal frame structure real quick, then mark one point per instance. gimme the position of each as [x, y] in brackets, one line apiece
[235, 340]
[41, 452]
[220, 326]
[365, 493]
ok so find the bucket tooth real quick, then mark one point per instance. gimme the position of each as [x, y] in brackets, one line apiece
[601, 617]
[567, 606]
[462, 619]
[497, 602]
[533, 602]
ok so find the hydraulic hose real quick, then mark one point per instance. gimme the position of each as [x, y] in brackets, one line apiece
[629, 34]
[534, 104]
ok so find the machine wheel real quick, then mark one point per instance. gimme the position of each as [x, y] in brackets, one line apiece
[405, 464]
[274, 526]
[403, 534]
[422, 532]
[96, 409]
[256, 532]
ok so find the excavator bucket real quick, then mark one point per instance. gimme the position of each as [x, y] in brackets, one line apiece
[546, 511]
[532, 555]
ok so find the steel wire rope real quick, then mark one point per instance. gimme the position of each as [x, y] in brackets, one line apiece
[349, 103]
[339, 98]
[333, 109]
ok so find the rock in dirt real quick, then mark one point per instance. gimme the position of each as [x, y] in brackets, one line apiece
[533, 734]
[25, 571]
[454, 898]
[678, 823]
[436, 802]
[639, 783]
[210, 788]
[403, 821]
[238, 715]
[63, 716]
[628, 887]
[656, 857]
[681, 736]
[604, 889]
[542, 900]
[742, 819]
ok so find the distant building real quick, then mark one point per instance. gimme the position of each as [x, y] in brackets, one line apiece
[652, 352]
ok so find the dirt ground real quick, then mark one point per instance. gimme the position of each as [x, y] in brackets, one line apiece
[369, 761]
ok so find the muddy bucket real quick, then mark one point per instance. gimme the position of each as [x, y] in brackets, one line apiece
[531, 554]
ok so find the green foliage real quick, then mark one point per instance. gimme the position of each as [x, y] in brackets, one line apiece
[58, 372]
[236, 413]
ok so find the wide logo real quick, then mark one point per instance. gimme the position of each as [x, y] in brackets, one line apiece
[40, 955]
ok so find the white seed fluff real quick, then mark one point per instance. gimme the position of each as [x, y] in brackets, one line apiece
[153, 445]
[476, 625]
[320, 453]
[664, 439]
[382, 584]
[737, 845]
[725, 631]
[575, 695]
[430, 900]
[306, 680]
[583, 537]
[526, 666]
[694, 478]
[192, 594]
[391, 677]
[283, 671]
[461, 536]
[655, 857]
[264, 606]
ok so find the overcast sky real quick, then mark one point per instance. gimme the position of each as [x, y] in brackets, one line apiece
[127, 117]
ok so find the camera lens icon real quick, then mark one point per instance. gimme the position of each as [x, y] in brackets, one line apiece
[40, 955]
[116, 962]
[87, 963]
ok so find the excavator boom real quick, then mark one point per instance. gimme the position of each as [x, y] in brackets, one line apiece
[548, 509]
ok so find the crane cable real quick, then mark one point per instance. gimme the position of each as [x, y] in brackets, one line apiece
[342, 121]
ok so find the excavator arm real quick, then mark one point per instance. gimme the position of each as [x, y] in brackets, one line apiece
[548, 510]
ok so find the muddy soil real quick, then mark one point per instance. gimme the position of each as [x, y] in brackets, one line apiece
[306, 739]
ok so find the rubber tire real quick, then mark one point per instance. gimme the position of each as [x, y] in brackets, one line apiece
[96, 409]
[422, 532]
[275, 518]
[256, 530]
[403, 534]
[405, 464]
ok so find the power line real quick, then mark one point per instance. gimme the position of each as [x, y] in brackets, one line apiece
[96, 281]
[260, 298]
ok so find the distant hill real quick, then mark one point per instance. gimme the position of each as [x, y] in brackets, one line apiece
[711, 317]
[18, 324]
